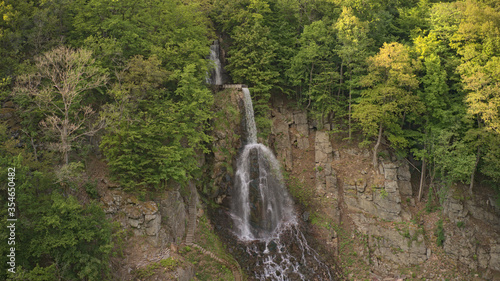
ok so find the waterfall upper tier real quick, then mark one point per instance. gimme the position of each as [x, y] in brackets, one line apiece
[215, 75]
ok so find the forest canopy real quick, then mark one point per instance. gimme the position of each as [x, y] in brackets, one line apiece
[422, 75]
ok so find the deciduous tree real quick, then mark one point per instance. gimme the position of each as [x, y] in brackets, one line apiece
[388, 96]
[61, 78]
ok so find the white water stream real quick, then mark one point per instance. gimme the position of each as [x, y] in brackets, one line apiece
[214, 77]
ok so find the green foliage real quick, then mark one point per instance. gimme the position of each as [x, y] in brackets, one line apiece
[304, 195]
[148, 271]
[29, 28]
[460, 224]
[169, 263]
[69, 173]
[117, 30]
[389, 95]
[439, 233]
[429, 203]
[383, 193]
[55, 234]
[91, 189]
[206, 267]
[154, 134]
[250, 62]
[73, 236]
[454, 161]
[313, 70]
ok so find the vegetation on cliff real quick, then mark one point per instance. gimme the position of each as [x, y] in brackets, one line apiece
[128, 78]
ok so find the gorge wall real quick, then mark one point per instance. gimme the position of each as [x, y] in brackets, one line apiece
[379, 205]
[368, 219]
[396, 236]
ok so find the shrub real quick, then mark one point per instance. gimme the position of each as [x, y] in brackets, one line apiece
[440, 233]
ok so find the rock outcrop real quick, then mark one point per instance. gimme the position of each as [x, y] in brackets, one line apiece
[478, 246]
[326, 180]
[162, 222]
[282, 143]
[380, 195]
[227, 136]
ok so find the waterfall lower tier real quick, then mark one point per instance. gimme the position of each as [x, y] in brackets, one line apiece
[263, 215]
[262, 203]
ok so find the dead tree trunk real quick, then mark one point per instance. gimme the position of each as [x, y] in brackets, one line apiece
[422, 178]
[375, 149]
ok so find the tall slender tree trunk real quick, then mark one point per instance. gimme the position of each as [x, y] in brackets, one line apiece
[422, 178]
[341, 78]
[350, 101]
[471, 186]
[375, 149]
[478, 155]
[64, 141]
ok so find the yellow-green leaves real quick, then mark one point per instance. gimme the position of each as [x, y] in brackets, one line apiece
[389, 94]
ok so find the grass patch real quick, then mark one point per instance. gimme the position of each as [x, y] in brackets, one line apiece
[163, 266]
[301, 194]
[206, 267]
[349, 244]
[440, 233]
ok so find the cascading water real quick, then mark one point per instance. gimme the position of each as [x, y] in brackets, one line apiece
[263, 215]
[215, 75]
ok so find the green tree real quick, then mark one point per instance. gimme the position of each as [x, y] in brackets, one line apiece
[252, 60]
[153, 134]
[388, 97]
[313, 69]
[477, 40]
[57, 238]
[434, 96]
[174, 31]
[353, 50]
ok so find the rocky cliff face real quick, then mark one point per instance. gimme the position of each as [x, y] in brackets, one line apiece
[476, 242]
[396, 234]
[151, 230]
[367, 218]
[161, 221]
[227, 135]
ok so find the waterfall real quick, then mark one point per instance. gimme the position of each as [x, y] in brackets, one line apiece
[263, 215]
[215, 75]
[251, 129]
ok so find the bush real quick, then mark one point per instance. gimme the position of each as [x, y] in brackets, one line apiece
[440, 233]
[91, 188]
[55, 234]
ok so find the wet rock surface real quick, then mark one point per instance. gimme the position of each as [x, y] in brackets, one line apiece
[227, 139]
[252, 259]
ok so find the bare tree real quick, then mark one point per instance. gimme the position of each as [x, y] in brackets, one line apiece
[57, 86]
